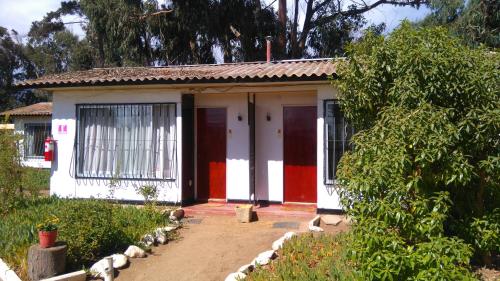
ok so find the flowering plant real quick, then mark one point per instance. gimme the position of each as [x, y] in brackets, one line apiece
[50, 224]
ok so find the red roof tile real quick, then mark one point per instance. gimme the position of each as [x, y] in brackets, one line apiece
[37, 109]
[316, 69]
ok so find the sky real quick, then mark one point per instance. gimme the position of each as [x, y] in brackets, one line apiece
[18, 14]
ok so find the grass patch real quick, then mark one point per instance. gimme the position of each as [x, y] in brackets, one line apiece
[307, 257]
[92, 229]
[34, 179]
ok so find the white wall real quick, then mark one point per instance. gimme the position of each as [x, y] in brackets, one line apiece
[237, 158]
[19, 122]
[269, 140]
[63, 182]
[327, 196]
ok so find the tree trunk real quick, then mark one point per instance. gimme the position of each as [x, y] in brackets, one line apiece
[282, 24]
[294, 28]
[100, 47]
[46, 263]
[228, 56]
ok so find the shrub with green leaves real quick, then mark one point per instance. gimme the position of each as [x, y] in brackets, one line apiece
[422, 183]
[92, 229]
[11, 171]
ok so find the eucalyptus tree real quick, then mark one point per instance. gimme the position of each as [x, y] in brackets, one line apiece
[475, 21]
[320, 17]
[14, 65]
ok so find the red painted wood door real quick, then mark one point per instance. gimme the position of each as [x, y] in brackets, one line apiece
[211, 153]
[299, 154]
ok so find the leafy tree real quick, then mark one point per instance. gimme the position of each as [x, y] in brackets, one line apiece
[475, 21]
[323, 19]
[422, 183]
[14, 65]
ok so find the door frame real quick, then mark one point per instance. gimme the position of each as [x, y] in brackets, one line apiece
[196, 107]
[283, 151]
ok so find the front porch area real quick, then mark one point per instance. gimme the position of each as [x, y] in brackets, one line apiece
[298, 211]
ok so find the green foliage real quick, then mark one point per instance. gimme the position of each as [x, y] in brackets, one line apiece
[92, 229]
[11, 171]
[475, 21]
[308, 257]
[35, 180]
[422, 183]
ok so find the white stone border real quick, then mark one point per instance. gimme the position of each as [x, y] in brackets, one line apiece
[261, 259]
[314, 224]
[7, 274]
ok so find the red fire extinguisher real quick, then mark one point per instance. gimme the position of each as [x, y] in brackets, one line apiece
[49, 149]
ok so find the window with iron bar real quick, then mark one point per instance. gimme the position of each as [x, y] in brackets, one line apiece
[34, 139]
[126, 141]
[337, 136]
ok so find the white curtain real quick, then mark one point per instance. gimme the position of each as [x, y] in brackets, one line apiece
[127, 141]
[34, 138]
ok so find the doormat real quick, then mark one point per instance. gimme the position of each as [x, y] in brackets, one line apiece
[193, 221]
[286, 224]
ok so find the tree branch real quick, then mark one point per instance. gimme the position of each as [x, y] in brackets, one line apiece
[143, 17]
[367, 7]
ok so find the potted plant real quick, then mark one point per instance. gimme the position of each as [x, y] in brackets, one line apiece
[47, 232]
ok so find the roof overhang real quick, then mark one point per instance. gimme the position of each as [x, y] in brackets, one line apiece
[198, 87]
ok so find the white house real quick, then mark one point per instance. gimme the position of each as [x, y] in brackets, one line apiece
[263, 131]
[33, 123]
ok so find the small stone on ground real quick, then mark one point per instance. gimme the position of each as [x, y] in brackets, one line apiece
[331, 219]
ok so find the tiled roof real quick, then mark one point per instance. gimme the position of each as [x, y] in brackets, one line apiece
[291, 70]
[37, 109]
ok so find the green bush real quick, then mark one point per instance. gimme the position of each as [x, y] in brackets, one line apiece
[422, 183]
[308, 257]
[10, 171]
[92, 229]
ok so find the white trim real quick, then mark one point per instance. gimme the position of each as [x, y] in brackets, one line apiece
[7, 274]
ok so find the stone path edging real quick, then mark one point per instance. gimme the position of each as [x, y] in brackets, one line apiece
[261, 259]
[7, 274]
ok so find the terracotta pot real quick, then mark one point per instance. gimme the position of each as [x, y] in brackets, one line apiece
[47, 238]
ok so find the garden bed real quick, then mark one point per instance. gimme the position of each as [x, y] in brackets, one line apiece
[307, 257]
[92, 229]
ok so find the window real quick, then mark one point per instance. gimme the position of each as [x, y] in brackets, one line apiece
[34, 138]
[337, 136]
[127, 141]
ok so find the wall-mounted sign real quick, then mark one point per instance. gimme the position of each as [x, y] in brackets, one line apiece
[62, 129]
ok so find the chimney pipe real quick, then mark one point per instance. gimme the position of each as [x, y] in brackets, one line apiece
[268, 53]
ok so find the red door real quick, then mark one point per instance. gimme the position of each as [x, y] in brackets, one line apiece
[299, 141]
[211, 153]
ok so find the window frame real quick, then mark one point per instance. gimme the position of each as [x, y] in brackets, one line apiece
[77, 148]
[43, 125]
[326, 180]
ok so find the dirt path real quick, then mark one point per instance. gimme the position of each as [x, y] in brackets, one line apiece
[209, 249]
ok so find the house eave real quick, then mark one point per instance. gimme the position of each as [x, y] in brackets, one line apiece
[194, 87]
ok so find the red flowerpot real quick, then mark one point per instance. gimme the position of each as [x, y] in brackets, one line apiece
[47, 238]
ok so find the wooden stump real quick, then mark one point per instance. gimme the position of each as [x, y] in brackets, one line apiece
[48, 262]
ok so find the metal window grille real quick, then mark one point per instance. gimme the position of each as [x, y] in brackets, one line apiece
[337, 139]
[34, 137]
[126, 141]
